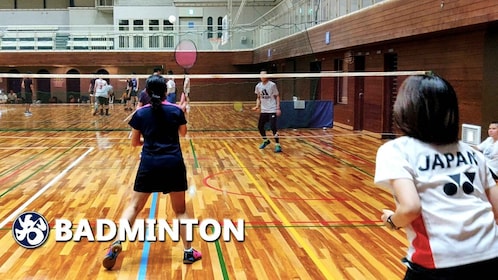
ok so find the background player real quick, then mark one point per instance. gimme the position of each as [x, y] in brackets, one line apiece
[269, 99]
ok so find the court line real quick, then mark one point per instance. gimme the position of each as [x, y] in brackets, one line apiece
[142, 269]
[12, 174]
[45, 188]
[347, 163]
[33, 157]
[205, 182]
[219, 252]
[297, 237]
[18, 165]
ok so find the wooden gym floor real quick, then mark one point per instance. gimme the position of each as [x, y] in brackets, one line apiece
[311, 212]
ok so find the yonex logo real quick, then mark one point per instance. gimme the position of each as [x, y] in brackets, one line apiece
[30, 230]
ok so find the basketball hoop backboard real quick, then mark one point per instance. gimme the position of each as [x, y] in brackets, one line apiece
[215, 43]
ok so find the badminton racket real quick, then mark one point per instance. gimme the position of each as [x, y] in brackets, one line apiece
[185, 56]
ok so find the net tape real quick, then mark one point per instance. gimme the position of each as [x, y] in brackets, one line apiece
[323, 74]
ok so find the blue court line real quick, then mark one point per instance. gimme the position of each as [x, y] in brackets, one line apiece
[142, 270]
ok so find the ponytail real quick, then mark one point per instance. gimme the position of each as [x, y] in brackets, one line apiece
[155, 101]
[156, 89]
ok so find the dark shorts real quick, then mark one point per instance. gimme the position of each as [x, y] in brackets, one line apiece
[28, 98]
[171, 98]
[133, 93]
[478, 270]
[102, 100]
[160, 176]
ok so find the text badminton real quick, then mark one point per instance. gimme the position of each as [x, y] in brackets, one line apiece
[148, 230]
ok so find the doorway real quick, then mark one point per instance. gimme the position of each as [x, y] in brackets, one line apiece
[359, 91]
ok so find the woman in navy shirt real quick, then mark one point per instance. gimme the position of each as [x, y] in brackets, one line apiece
[161, 166]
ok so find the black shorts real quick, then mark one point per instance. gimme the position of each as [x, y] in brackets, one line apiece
[28, 98]
[102, 100]
[160, 178]
[487, 267]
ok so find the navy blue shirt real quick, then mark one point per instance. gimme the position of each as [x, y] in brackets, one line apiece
[160, 133]
[144, 97]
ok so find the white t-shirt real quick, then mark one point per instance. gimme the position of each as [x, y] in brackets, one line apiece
[489, 148]
[3, 98]
[457, 225]
[268, 96]
[171, 86]
[101, 88]
[186, 86]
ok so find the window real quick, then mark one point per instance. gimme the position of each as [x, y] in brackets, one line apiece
[124, 42]
[124, 25]
[210, 27]
[167, 25]
[138, 42]
[168, 39]
[154, 41]
[220, 27]
[153, 25]
[138, 25]
[341, 83]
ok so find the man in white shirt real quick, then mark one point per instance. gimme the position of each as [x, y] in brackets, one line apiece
[171, 88]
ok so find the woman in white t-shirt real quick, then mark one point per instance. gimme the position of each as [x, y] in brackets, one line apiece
[489, 148]
[446, 199]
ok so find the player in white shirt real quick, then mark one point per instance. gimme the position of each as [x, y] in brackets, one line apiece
[268, 98]
[446, 199]
[489, 148]
[186, 93]
[102, 90]
[171, 88]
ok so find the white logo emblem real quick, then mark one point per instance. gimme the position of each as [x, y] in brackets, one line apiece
[30, 230]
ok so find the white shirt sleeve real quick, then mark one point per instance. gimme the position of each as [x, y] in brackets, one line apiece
[391, 164]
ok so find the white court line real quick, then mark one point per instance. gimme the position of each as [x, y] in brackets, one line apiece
[46, 187]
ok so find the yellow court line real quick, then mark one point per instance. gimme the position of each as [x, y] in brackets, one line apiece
[286, 222]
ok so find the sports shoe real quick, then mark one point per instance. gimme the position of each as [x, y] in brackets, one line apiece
[112, 255]
[278, 148]
[264, 144]
[191, 256]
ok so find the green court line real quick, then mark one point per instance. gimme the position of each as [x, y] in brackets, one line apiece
[196, 162]
[39, 169]
[220, 258]
[22, 163]
[219, 252]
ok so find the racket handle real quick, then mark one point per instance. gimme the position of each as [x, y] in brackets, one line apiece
[182, 98]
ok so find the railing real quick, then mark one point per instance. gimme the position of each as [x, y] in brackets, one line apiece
[287, 18]
[95, 37]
